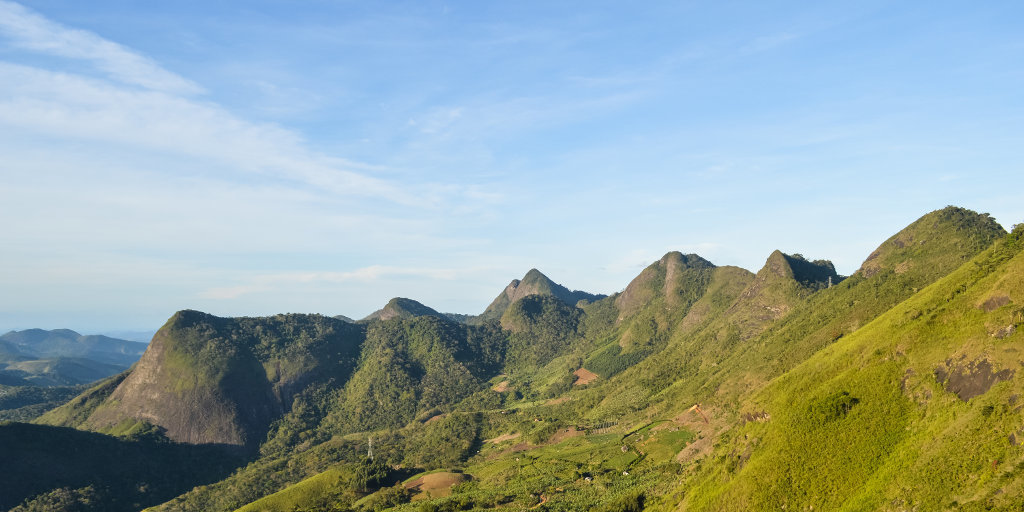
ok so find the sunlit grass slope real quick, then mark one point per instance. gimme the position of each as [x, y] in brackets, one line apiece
[920, 409]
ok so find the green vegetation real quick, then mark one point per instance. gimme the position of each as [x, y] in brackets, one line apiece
[399, 307]
[697, 388]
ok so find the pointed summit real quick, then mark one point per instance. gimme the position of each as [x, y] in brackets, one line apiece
[533, 283]
[779, 285]
[400, 307]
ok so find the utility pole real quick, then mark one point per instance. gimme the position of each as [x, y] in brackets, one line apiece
[369, 449]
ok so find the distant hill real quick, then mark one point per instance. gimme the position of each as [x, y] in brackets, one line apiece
[140, 336]
[42, 344]
[63, 357]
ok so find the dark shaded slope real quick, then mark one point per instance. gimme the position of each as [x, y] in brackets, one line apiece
[123, 475]
[541, 328]
[408, 371]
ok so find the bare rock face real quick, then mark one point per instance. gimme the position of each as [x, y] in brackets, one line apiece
[198, 387]
[211, 380]
[968, 379]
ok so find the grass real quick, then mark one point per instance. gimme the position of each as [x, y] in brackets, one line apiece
[906, 440]
[320, 488]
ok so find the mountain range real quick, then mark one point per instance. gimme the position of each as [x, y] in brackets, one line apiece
[698, 387]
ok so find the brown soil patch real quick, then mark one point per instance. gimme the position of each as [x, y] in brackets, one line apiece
[434, 418]
[501, 387]
[556, 401]
[502, 438]
[707, 433]
[584, 377]
[435, 485]
[564, 434]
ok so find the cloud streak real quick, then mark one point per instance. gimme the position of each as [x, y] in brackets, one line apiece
[66, 105]
[30, 31]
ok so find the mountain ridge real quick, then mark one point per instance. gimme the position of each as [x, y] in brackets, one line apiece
[533, 283]
[697, 387]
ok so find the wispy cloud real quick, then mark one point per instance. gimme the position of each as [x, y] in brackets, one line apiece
[67, 105]
[137, 105]
[30, 31]
[271, 282]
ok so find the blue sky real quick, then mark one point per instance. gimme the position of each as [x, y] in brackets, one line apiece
[250, 158]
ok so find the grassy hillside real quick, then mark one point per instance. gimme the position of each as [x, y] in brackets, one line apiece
[917, 410]
[943, 241]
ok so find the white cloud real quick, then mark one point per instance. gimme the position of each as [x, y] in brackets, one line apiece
[30, 31]
[144, 107]
[65, 105]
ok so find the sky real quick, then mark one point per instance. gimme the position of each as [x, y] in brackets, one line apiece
[322, 156]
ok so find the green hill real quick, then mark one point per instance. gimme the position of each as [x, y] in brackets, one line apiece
[696, 388]
[533, 283]
[916, 410]
[399, 307]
